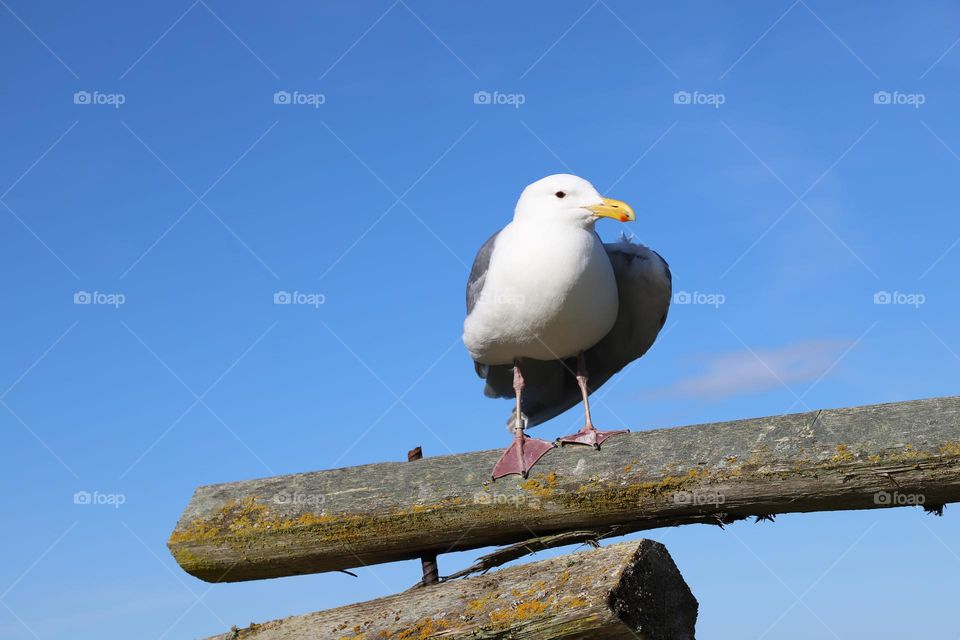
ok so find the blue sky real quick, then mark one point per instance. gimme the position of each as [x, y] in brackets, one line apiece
[147, 164]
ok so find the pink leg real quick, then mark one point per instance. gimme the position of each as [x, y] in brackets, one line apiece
[524, 452]
[588, 435]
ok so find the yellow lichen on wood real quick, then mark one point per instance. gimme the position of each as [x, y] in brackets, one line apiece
[250, 527]
[423, 629]
[481, 604]
[951, 449]
[523, 611]
[843, 454]
[542, 485]
[233, 517]
[248, 517]
[573, 602]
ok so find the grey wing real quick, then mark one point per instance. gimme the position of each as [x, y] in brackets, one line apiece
[644, 283]
[478, 272]
[478, 275]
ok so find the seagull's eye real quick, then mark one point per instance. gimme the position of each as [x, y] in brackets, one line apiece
[560, 194]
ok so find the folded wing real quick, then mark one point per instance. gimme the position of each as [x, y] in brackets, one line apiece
[645, 289]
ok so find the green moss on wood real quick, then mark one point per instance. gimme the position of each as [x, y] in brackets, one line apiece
[250, 528]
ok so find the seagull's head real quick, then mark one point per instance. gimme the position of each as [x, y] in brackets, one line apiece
[564, 197]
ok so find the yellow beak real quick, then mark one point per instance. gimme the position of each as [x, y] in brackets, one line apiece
[615, 209]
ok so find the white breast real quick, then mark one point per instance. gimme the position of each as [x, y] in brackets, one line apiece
[549, 293]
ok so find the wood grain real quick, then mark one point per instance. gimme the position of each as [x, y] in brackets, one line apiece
[857, 458]
[628, 591]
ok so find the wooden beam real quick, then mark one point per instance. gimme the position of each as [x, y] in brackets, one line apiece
[628, 591]
[859, 458]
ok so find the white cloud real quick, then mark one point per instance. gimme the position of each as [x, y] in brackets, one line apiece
[743, 372]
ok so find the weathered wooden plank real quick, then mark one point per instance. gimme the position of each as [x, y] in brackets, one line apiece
[628, 591]
[858, 458]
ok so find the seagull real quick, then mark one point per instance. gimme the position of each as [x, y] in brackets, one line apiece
[545, 298]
